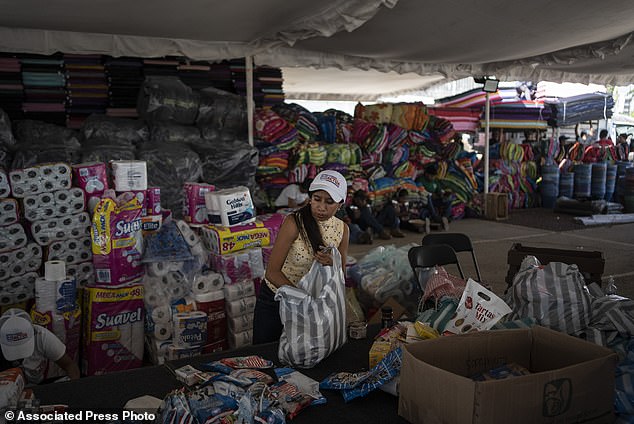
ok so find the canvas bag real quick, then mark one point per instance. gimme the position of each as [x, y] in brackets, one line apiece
[313, 314]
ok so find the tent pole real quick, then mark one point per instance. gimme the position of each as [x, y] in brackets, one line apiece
[249, 99]
[487, 111]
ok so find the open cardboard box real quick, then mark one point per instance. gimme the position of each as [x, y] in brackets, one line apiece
[571, 380]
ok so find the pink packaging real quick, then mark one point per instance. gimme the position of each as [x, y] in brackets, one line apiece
[113, 329]
[153, 201]
[141, 196]
[91, 177]
[117, 241]
[242, 265]
[272, 221]
[194, 209]
[71, 324]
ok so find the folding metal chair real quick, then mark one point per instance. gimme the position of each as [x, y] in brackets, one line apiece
[421, 257]
[458, 241]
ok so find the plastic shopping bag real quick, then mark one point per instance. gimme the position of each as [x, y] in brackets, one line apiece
[313, 314]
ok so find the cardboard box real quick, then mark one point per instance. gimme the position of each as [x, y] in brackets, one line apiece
[571, 380]
[497, 206]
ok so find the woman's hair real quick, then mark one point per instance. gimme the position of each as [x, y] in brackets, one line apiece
[308, 227]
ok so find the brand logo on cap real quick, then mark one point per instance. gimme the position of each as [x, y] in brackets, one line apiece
[16, 337]
[330, 179]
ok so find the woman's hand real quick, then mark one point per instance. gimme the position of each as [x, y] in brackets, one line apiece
[324, 257]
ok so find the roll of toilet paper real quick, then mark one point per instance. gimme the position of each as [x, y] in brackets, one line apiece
[153, 299]
[9, 212]
[189, 329]
[12, 237]
[5, 188]
[54, 270]
[245, 305]
[162, 330]
[157, 269]
[129, 175]
[174, 278]
[175, 266]
[162, 314]
[207, 282]
[190, 237]
[19, 261]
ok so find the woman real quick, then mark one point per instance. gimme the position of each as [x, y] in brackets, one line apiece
[300, 241]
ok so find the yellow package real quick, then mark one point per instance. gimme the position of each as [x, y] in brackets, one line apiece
[425, 331]
[378, 351]
[223, 240]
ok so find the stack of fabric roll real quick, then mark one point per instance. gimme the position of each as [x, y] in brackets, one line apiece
[125, 76]
[86, 88]
[11, 88]
[580, 108]
[44, 88]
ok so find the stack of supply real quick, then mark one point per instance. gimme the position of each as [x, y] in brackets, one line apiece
[56, 308]
[86, 88]
[194, 208]
[44, 93]
[230, 207]
[125, 76]
[210, 299]
[18, 270]
[117, 240]
[112, 329]
[240, 304]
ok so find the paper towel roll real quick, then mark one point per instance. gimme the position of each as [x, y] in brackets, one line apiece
[54, 270]
[161, 314]
[162, 330]
[207, 282]
[45, 294]
[157, 269]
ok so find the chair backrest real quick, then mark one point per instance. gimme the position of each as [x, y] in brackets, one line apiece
[432, 255]
[458, 241]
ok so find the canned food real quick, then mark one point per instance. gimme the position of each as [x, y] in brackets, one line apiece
[358, 329]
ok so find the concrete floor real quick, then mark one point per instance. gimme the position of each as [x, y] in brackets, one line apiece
[493, 239]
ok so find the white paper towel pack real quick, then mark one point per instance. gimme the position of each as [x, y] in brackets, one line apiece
[40, 179]
[231, 206]
[129, 175]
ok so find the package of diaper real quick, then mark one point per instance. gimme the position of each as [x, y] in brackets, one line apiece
[117, 240]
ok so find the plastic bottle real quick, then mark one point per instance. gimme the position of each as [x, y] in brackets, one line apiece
[610, 287]
[387, 317]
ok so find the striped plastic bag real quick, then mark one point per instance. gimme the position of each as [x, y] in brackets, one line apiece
[313, 314]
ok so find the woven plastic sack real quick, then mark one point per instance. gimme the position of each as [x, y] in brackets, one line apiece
[313, 314]
[553, 294]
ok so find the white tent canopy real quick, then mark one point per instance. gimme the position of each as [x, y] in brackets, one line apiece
[394, 40]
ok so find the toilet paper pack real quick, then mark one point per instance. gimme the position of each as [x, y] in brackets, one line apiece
[117, 241]
[222, 240]
[113, 329]
[194, 209]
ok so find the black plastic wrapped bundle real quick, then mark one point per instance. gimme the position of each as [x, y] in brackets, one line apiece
[40, 142]
[221, 115]
[106, 149]
[174, 133]
[228, 164]
[105, 127]
[6, 136]
[170, 166]
[167, 99]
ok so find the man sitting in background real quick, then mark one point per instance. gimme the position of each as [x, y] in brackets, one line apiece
[385, 224]
[294, 195]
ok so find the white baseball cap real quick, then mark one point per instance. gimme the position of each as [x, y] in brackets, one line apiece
[331, 182]
[16, 335]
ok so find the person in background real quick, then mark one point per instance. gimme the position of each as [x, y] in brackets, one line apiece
[294, 195]
[622, 147]
[31, 347]
[357, 235]
[304, 237]
[361, 214]
[404, 212]
[438, 209]
[603, 139]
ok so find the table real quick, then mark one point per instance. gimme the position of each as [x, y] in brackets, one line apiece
[111, 391]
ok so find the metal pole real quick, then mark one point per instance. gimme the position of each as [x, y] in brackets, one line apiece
[249, 99]
[487, 112]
